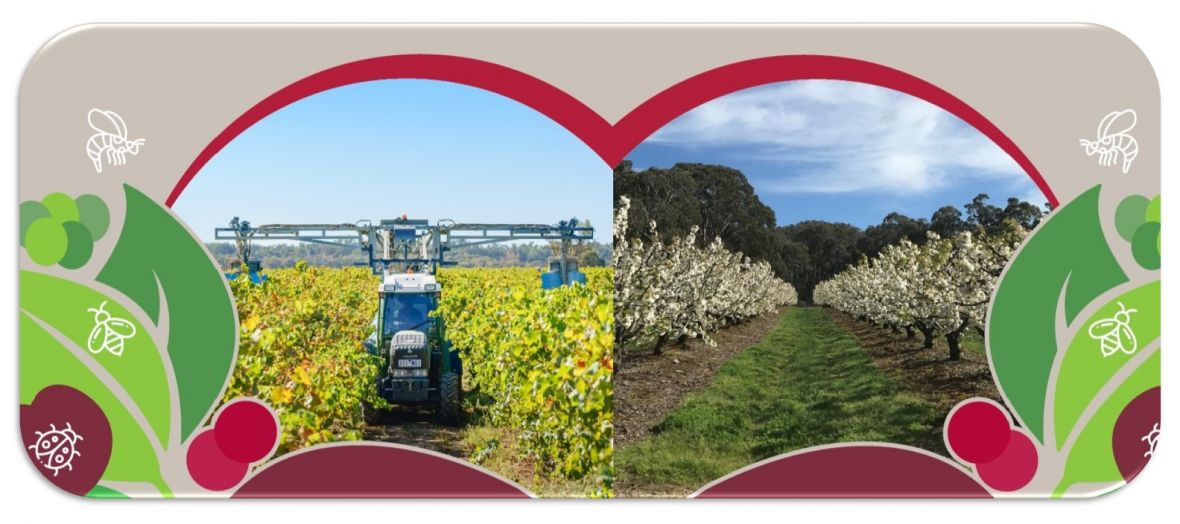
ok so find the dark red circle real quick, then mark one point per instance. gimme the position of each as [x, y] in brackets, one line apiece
[1135, 432]
[209, 467]
[246, 431]
[61, 411]
[978, 431]
[1014, 468]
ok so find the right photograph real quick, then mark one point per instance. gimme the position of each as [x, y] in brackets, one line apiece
[799, 264]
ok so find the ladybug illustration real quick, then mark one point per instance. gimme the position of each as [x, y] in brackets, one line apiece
[55, 449]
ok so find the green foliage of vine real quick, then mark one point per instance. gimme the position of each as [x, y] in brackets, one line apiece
[545, 360]
[300, 350]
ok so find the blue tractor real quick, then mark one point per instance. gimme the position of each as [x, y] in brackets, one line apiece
[421, 367]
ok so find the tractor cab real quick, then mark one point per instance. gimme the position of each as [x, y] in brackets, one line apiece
[558, 276]
[419, 365]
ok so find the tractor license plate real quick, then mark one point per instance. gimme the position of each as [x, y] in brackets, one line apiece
[409, 362]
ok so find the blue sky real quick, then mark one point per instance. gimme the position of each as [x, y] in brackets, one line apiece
[841, 151]
[380, 149]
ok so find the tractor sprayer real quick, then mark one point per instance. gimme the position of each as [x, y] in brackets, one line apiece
[403, 244]
[421, 367]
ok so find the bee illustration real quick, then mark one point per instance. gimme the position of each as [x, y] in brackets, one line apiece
[1115, 332]
[55, 449]
[1113, 142]
[110, 141]
[109, 332]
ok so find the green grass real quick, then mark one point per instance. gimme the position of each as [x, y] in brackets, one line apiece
[806, 383]
[973, 342]
[497, 449]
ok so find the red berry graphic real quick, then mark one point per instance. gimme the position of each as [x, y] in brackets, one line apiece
[209, 467]
[1014, 468]
[977, 431]
[246, 430]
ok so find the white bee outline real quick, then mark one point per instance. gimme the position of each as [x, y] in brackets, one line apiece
[110, 141]
[1114, 331]
[55, 449]
[110, 331]
[1111, 146]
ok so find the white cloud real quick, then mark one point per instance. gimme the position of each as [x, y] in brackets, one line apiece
[839, 137]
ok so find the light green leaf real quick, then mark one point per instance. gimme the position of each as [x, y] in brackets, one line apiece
[1086, 368]
[1092, 457]
[66, 306]
[45, 362]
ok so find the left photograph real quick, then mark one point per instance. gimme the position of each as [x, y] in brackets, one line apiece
[421, 263]
[395, 287]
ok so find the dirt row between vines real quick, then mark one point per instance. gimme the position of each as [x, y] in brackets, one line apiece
[926, 372]
[649, 386]
[419, 429]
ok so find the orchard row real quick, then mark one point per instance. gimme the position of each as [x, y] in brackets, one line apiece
[940, 288]
[676, 289]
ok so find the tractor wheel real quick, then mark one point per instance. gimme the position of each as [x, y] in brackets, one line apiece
[450, 401]
[372, 415]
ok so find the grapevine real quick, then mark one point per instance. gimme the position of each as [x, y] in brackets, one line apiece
[542, 357]
[301, 351]
[545, 360]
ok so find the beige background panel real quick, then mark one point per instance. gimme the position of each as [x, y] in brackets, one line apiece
[178, 86]
[1046, 87]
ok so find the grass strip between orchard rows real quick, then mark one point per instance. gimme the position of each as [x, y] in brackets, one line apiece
[806, 383]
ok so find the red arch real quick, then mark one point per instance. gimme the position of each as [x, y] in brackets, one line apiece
[612, 142]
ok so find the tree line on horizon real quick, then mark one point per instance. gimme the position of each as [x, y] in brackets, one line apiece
[276, 256]
[720, 201]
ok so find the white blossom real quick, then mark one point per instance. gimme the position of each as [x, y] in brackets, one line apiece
[937, 286]
[674, 288]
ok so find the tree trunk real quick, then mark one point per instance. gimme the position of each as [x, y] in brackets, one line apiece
[954, 337]
[660, 342]
[909, 332]
[927, 337]
[952, 342]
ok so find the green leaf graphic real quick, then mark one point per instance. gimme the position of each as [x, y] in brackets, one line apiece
[156, 254]
[1086, 368]
[139, 369]
[1068, 251]
[103, 492]
[1092, 459]
[45, 362]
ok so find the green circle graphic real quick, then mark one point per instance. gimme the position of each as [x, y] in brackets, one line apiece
[81, 245]
[30, 211]
[1145, 245]
[1129, 215]
[61, 207]
[46, 241]
[93, 213]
